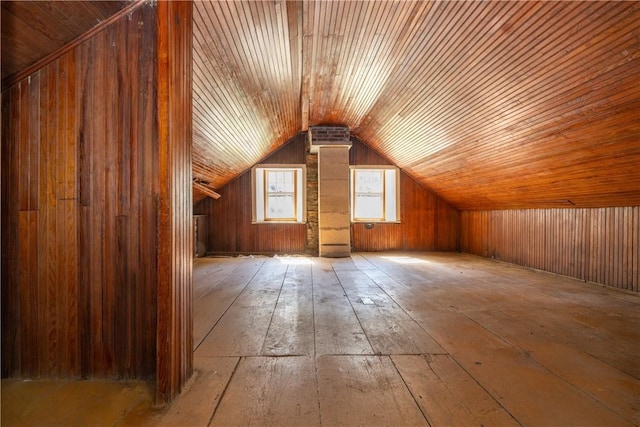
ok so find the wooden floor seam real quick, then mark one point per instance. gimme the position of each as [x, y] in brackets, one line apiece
[395, 339]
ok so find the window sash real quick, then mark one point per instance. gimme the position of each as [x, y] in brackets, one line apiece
[280, 187]
[374, 194]
[278, 194]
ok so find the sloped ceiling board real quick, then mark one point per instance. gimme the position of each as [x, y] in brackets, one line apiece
[492, 105]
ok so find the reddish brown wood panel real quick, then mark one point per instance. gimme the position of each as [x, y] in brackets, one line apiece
[33, 30]
[230, 227]
[175, 241]
[600, 245]
[427, 222]
[490, 104]
[79, 210]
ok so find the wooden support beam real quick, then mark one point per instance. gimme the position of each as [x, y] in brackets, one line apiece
[206, 190]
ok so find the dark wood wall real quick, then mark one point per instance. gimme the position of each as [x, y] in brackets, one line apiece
[600, 245]
[175, 250]
[428, 223]
[91, 189]
[230, 227]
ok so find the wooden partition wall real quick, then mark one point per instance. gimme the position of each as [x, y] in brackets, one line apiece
[230, 228]
[96, 208]
[599, 245]
[175, 250]
[428, 223]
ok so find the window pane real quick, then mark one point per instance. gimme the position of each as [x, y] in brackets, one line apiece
[280, 206]
[374, 194]
[280, 198]
[369, 181]
[278, 194]
[369, 206]
[280, 181]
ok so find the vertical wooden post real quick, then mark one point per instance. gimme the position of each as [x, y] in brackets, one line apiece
[175, 245]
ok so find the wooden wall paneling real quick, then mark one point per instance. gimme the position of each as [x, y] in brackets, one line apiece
[427, 222]
[174, 338]
[66, 217]
[32, 31]
[634, 250]
[599, 245]
[10, 228]
[27, 229]
[230, 228]
[79, 209]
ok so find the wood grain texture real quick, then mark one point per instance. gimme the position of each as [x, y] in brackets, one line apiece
[364, 390]
[81, 283]
[270, 391]
[598, 245]
[81, 208]
[230, 227]
[428, 222]
[174, 340]
[33, 30]
[492, 105]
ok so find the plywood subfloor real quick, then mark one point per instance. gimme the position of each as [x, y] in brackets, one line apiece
[391, 339]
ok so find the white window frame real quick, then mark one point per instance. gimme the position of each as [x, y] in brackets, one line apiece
[390, 196]
[259, 194]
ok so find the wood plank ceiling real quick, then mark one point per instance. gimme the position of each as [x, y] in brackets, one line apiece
[489, 104]
[492, 105]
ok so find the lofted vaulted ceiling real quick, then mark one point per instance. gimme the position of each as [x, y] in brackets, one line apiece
[492, 105]
[489, 104]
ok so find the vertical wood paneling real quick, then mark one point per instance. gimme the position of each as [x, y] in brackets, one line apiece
[83, 194]
[427, 222]
[230, 227]
[9, 219]
[175, 251]
[599, 245]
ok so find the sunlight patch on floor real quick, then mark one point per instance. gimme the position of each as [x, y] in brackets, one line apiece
[405, 260]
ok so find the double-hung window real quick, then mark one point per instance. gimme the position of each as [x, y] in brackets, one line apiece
[278, 193]
[375, 194]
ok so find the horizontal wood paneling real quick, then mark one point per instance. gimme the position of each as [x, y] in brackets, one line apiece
[230, 227]
[80, 210]
[427, 221]
[599, 245]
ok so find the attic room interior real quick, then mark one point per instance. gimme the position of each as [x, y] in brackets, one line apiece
[320, 213]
